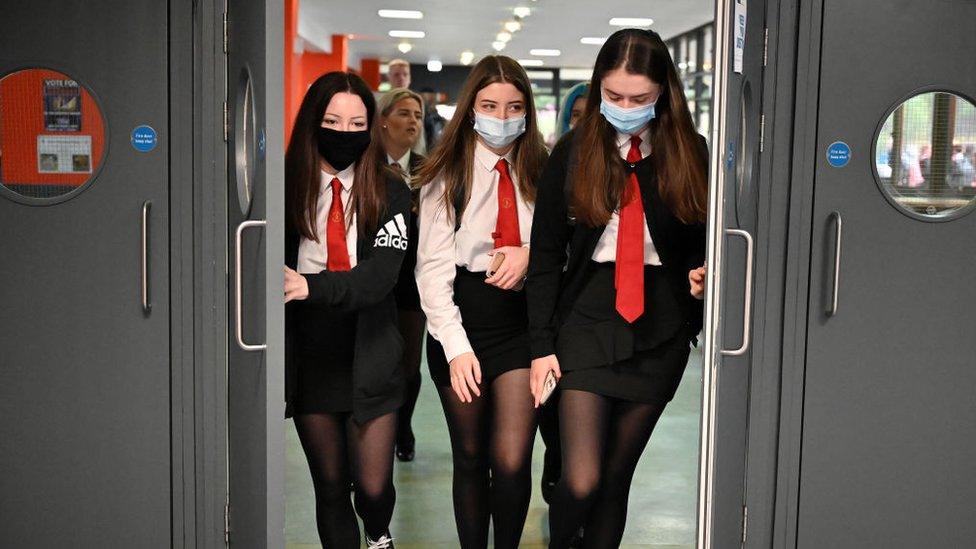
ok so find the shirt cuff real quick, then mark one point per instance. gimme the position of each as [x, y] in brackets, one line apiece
[456, 344]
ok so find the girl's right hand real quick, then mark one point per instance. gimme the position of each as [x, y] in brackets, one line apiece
[537, 376]
[465, 376]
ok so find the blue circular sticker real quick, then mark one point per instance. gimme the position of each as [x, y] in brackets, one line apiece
[838, 154]
[144, 138]
[261, 144]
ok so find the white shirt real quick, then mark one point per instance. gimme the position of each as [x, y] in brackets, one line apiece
[606, 247]
[314, 256]
[441, 249]
[404, 162]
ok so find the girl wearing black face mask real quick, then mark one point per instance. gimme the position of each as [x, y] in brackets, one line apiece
[347, 218]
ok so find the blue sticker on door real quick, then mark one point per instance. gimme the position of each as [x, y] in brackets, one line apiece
[144, 138]
[838, 154]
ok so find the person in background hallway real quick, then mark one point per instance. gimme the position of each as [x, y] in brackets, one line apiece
[621, 207]
[433, 122]
[399, 116]
[574, 104]
[476, 200]
[398, 73]
[346, 236]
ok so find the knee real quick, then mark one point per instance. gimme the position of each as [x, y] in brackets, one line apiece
[330, 491]
[374, 489]
[469, 460]
[510, 467]
[582, 485]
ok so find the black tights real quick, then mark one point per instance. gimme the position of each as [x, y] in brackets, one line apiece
[411, 325]
[340, 450]
[491, 439]
[602, 440]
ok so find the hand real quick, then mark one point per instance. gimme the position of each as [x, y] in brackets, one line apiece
[513, 268]
[697, 279]
[537, 375]
[465, 376]
[296, 287]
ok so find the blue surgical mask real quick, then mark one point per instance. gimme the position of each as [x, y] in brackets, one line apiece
[496, 132]
[626, 120]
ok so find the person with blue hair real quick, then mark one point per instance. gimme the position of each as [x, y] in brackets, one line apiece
[574, 104]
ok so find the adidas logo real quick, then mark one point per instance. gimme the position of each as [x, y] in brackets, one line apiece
[393, 234]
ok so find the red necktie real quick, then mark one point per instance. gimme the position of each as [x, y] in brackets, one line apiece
[507, 227]
[335, 232]
[629, 271]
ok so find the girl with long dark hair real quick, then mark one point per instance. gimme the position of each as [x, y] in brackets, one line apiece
[615, 278]
[346, 235]
[476, 201]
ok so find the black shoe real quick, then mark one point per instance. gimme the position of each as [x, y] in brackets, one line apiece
[577, 541]
[550, 476]
[406, 449]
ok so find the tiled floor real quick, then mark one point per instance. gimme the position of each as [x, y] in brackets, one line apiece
[662, 500]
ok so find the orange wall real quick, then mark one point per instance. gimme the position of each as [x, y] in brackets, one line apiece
[22, 120]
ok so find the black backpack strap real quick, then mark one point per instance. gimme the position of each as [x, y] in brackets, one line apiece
[571, 168]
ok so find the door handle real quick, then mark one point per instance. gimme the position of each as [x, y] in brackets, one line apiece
[146, 209]
[747, 309]
[238, 314]
[835, 287]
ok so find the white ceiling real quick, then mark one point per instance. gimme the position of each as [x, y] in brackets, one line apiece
[453, 26]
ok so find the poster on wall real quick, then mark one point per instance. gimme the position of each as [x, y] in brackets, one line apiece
[64, 154]
[62, 105]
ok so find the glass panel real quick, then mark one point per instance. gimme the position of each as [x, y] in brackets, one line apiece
[245, 141]
[52, 133]
[925, 155]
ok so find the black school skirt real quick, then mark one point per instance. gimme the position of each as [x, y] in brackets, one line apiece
[607, 356]
[497, 325]
[325, 339]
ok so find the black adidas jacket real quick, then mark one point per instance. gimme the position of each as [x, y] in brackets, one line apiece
[378, 382]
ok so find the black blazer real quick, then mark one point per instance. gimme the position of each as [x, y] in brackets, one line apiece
[559, 265]
[378, 382]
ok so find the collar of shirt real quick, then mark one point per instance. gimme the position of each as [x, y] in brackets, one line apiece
[623, 143]
[345, 177]
[487, 159]
[403, 161]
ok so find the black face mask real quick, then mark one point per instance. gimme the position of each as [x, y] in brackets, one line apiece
[341, 149]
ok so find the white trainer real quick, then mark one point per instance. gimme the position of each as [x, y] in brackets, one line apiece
[385, 542]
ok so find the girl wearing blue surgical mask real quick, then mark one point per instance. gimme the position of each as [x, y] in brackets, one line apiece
[476, 202]
[616, 277]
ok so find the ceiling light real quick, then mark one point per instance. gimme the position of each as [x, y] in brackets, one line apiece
[434, 65]
[401, 14]
[545, 53]
[467, 57]
[530, 62]
[593, 40]
[498, 45]
[631, 22]
[503, 36]
[407, 34]
[522, 11]
[513, 26]
[404, 47]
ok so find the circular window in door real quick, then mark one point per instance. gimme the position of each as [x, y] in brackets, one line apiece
[52, 136]
[925, 156]
[245, 141]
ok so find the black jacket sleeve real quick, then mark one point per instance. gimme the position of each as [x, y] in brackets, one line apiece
[695, 234]
[373, 277]
[551, 232]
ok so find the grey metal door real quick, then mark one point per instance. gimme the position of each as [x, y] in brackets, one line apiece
[889, 413]
[255, 391]
[84, 287]
[735, 187]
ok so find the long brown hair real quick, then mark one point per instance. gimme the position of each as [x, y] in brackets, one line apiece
[453, 156]
[302, 159]
[677, 154]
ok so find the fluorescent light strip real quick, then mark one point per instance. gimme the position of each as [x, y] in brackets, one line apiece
[407, 34]
[401, 14]
[631, 22]
[592, 40]
[530, 62]
[545, 53]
